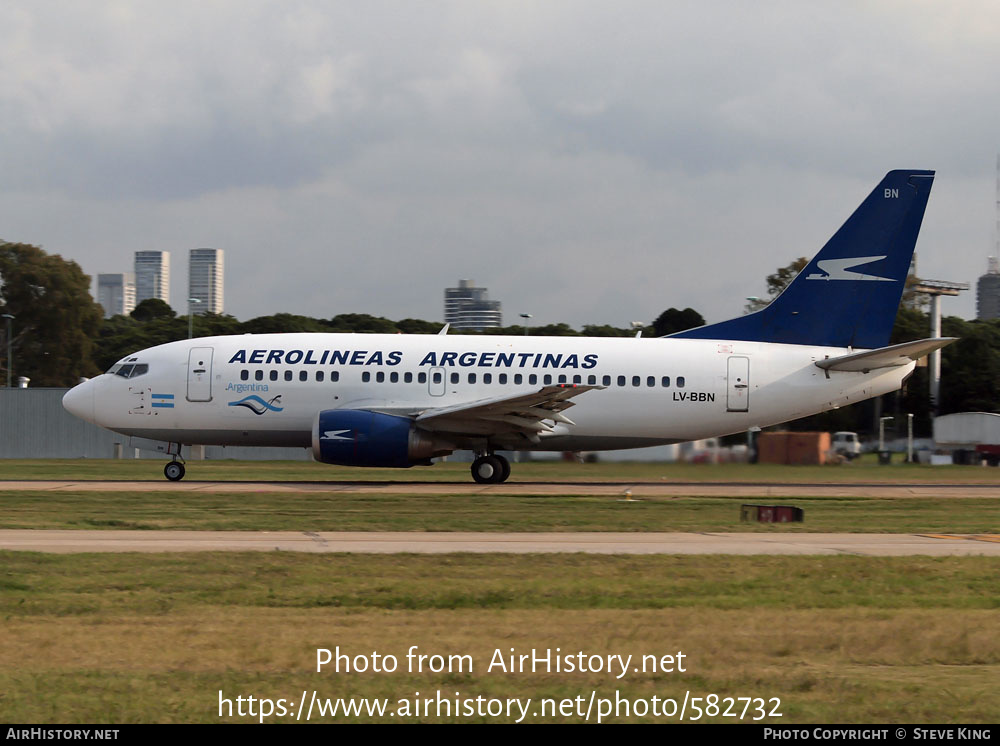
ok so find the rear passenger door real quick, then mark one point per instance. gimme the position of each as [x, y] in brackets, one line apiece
[738, 390]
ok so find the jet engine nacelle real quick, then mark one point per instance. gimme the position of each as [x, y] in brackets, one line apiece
[354, 437]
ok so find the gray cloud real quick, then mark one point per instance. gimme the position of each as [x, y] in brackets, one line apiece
[588, 162]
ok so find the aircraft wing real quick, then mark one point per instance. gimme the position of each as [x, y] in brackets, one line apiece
[885, 357]
[518, 413]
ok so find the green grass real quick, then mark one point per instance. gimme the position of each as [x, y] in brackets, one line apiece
[347, 511]
[34, 583]
[121, 638]
[154, 638]
[866, 471]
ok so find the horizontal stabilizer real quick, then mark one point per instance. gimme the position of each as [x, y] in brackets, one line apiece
[885, 357]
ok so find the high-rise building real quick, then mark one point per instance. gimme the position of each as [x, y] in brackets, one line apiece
[152, 275]
[988, 293]
[116, 293]
[205, 274]
[467, 307]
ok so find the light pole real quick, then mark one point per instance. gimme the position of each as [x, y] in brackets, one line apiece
[526, 316]
[10, 347]
[191, 316]
[909, 438]
[882, 456]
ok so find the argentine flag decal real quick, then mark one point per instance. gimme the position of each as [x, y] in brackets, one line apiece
[163, 401]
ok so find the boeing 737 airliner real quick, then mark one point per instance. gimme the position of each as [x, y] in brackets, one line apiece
[401, 400]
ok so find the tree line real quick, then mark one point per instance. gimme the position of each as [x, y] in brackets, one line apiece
[60, 335]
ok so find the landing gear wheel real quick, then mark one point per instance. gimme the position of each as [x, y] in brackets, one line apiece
[487, 470]
[504, 468]
[174, 471]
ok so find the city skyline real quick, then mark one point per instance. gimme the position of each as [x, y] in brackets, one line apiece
[469, 307]
[121, 292]
[116, 293]
[152, 276]
[988, 291]
[206, 279]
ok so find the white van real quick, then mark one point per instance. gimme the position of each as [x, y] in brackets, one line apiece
[846, 444]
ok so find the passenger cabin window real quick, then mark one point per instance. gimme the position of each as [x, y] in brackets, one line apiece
[454, 377]
[407, 377]
[303, 375]
[394, 377]
[621, 380]
[258, 375]
[288, 375]
[651, 381]
[502, 378]
[547, 379]
[680, 382]
[334, 376]
[319, 375]
[366, 377]
[421, 377]
[606, 380]
[518, 379]
[665, 381]
[487, 378]
[244, 375]
[532, 379]
[273, 375]
[635, 380]
[472, 378]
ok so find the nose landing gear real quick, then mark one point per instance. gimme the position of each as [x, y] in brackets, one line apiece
[490, 469]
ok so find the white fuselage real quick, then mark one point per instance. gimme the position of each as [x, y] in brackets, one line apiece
[266, 390]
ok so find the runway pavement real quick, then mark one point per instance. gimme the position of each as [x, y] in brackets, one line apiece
[611, 489]
[776, 542]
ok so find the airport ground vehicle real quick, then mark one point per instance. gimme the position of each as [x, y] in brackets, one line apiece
[846, 444]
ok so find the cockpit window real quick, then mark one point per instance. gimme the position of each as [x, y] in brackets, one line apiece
[129, 370]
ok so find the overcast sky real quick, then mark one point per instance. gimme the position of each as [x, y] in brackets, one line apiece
[589, 162]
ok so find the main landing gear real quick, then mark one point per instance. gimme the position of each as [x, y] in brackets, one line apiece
[490, 469]
[174, 470]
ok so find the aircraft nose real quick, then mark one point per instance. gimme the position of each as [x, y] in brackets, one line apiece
[79, 401]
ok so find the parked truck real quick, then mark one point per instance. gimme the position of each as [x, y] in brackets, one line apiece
[846, 444]
[970, 437]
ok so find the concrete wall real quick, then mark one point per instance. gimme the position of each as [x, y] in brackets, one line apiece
[33, 424]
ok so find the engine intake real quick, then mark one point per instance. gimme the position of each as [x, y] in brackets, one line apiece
[356, 437]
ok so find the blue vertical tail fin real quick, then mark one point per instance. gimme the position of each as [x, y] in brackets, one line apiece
[848, 295]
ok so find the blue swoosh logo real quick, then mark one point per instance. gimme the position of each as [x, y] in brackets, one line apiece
[257, 405]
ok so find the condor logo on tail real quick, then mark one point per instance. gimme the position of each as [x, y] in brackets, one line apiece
[836, 269]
